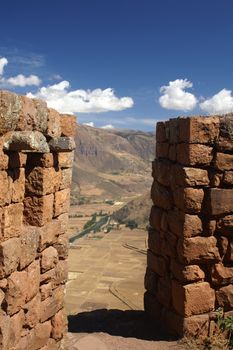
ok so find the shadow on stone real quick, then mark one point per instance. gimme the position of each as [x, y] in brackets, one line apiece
[136, 324]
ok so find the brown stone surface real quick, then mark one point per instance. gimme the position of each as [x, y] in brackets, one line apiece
[224, 297]
[10, 252]
[68, 125]
[33, 276]
[184, 176]
[10, 105]
[49, 233]
[66, 178]
[65, 159]
[161, 171]
[198, 250]
[61, 202]
[194, 154]
[184, 225]
[44, 160]
[16, 291]
[156, 263]
[59, 325]
[38, 210]
[198, 129]
[29, 246]
[161, 196]
[17, 184]
[185, 274]
[51, 305]
[189, 200]
[160, 132]
[162, 149]
[62, 246]
[54, 125]
[12, 220]
[41, 181]
[224, 161]
[225, 225]
[32, 311]
[164, 291]
[218, 201]
[192, 299]
[5, 193]
[49, 259]
[228, 178]
[221, 274]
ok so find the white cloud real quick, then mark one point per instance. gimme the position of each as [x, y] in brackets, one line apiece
[89, 124]
[221, 103]
[108, 127]
[81, 101]
[175, 97]
[22, 80]
[3, 63]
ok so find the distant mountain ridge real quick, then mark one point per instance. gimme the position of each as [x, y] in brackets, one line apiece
[111, 163]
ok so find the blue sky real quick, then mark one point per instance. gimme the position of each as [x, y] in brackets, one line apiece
[126, 63]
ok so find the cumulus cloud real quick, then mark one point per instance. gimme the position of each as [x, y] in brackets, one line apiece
[21, 80]
[59, 96]
[175, 97]
[89, 124]
[3, 63]
[108, 126]
[222, 102]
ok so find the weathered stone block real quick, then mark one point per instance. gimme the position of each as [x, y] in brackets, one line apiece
[224, 161]
[152, 306]
[16, 291]
[17, 184]
[224, 297]
[161, 196]
[38, 210]
[194, 154]
[5, 193]
[41, 181]
[156, 263]
[12, 220]
[49, 259]
[184, 225]
[64, 221]
[61, 202]
[66, 178]
[161, 171]
[10, 252]
[164, 292]
[54, 125]
[33, 275]
[41, 118]
[59, 325]
[198, 250]
[62, 144]
[62, 246]
[49, 233]
[221, 275]
[65, 159]
[189, 200]
[173, 130]
[225, 225]
[161, 132]
[32, 311]
[17, 160]
[172, 153]
[51, 305]
[44, 160]
[10, 105]
[68, 125]
[15, 329]
[228, 178]
[36, 338]
[185, 274]
[192, 299]
[151, 281]
[162, 149]
[184, 176]
[156, 217]
[218, 201]
[199, 129]
[225, 142]
[27, 114]
[33, 141]
[56, 276]
[29, 245]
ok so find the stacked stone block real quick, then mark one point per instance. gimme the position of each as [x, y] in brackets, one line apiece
[190, 245]
[36, 155]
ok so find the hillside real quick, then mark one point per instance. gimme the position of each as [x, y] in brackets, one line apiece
[136, 210]
[111, 164]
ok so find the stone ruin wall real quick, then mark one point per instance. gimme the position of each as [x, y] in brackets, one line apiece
[190, 243]
[36, 155]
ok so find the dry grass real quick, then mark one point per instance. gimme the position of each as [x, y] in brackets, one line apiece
[214, 342]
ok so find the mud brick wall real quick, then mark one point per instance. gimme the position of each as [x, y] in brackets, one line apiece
[190, 245]
[36, 154]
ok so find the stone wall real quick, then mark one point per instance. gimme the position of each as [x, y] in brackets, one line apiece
[36, 154]
[190, 245]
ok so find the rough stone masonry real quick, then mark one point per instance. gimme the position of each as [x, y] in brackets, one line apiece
[36, 155]
[190, 257]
